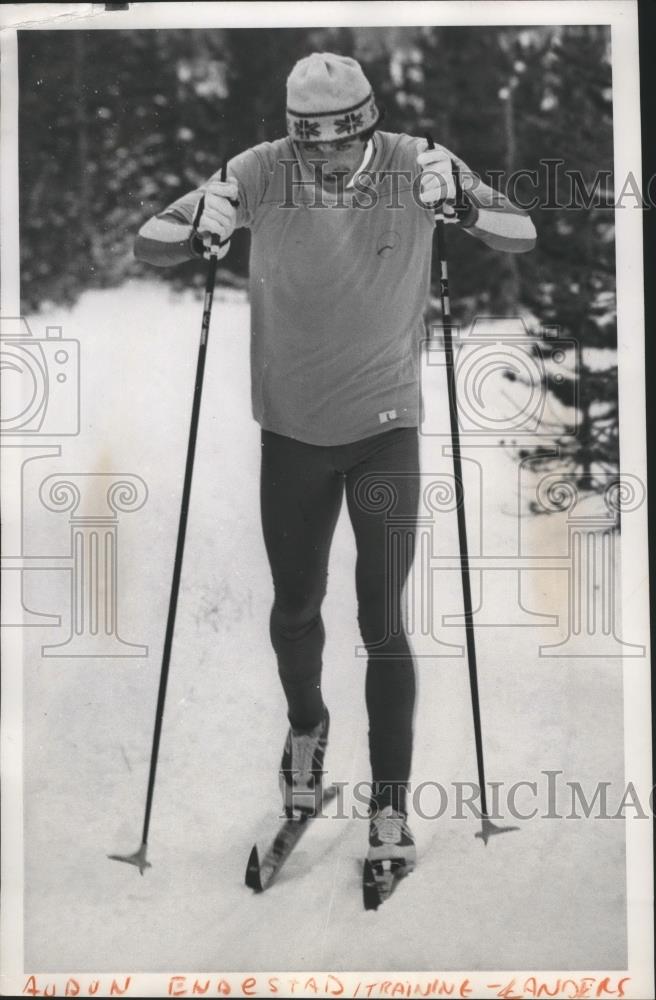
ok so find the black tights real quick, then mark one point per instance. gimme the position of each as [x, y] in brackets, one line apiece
[302, 487]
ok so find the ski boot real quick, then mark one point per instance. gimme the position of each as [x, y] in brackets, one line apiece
[391, 856]
[301, 769]
[390, 839]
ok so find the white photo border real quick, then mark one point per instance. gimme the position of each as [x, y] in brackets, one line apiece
[623, 20]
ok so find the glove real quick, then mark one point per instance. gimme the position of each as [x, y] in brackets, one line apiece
[440, 186]
[215, 219]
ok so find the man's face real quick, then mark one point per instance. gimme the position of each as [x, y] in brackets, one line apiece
[338, 160]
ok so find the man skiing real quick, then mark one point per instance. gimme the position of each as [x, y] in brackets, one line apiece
[342, 217]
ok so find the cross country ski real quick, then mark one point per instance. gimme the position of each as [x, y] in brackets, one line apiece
[261, 874]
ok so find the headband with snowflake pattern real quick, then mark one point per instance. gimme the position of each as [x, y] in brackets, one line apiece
[330, 126]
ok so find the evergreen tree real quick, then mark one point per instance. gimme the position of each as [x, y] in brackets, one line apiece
[566, 115]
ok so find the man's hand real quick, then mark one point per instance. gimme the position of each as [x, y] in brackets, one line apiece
[438, 186]
[216, 217]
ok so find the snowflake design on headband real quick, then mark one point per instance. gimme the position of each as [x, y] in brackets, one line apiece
[306, 129]
[349, 123]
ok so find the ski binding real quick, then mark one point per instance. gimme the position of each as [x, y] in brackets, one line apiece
[380, 879]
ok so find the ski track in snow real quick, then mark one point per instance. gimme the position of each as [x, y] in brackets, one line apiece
[549, 896]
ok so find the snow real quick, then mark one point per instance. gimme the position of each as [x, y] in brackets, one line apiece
[548, 896]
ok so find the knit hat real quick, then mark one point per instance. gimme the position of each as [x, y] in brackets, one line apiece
[328, 98]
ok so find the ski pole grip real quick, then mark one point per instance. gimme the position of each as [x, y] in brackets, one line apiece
[454, 167]
[233, 201]
[201, 205]
[198, 212]
[431, 145]
[224, 176]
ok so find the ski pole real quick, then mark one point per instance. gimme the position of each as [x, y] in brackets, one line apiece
[139, 857]
[488, 828]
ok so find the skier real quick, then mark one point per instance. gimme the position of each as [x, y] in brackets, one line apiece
[342, 217]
